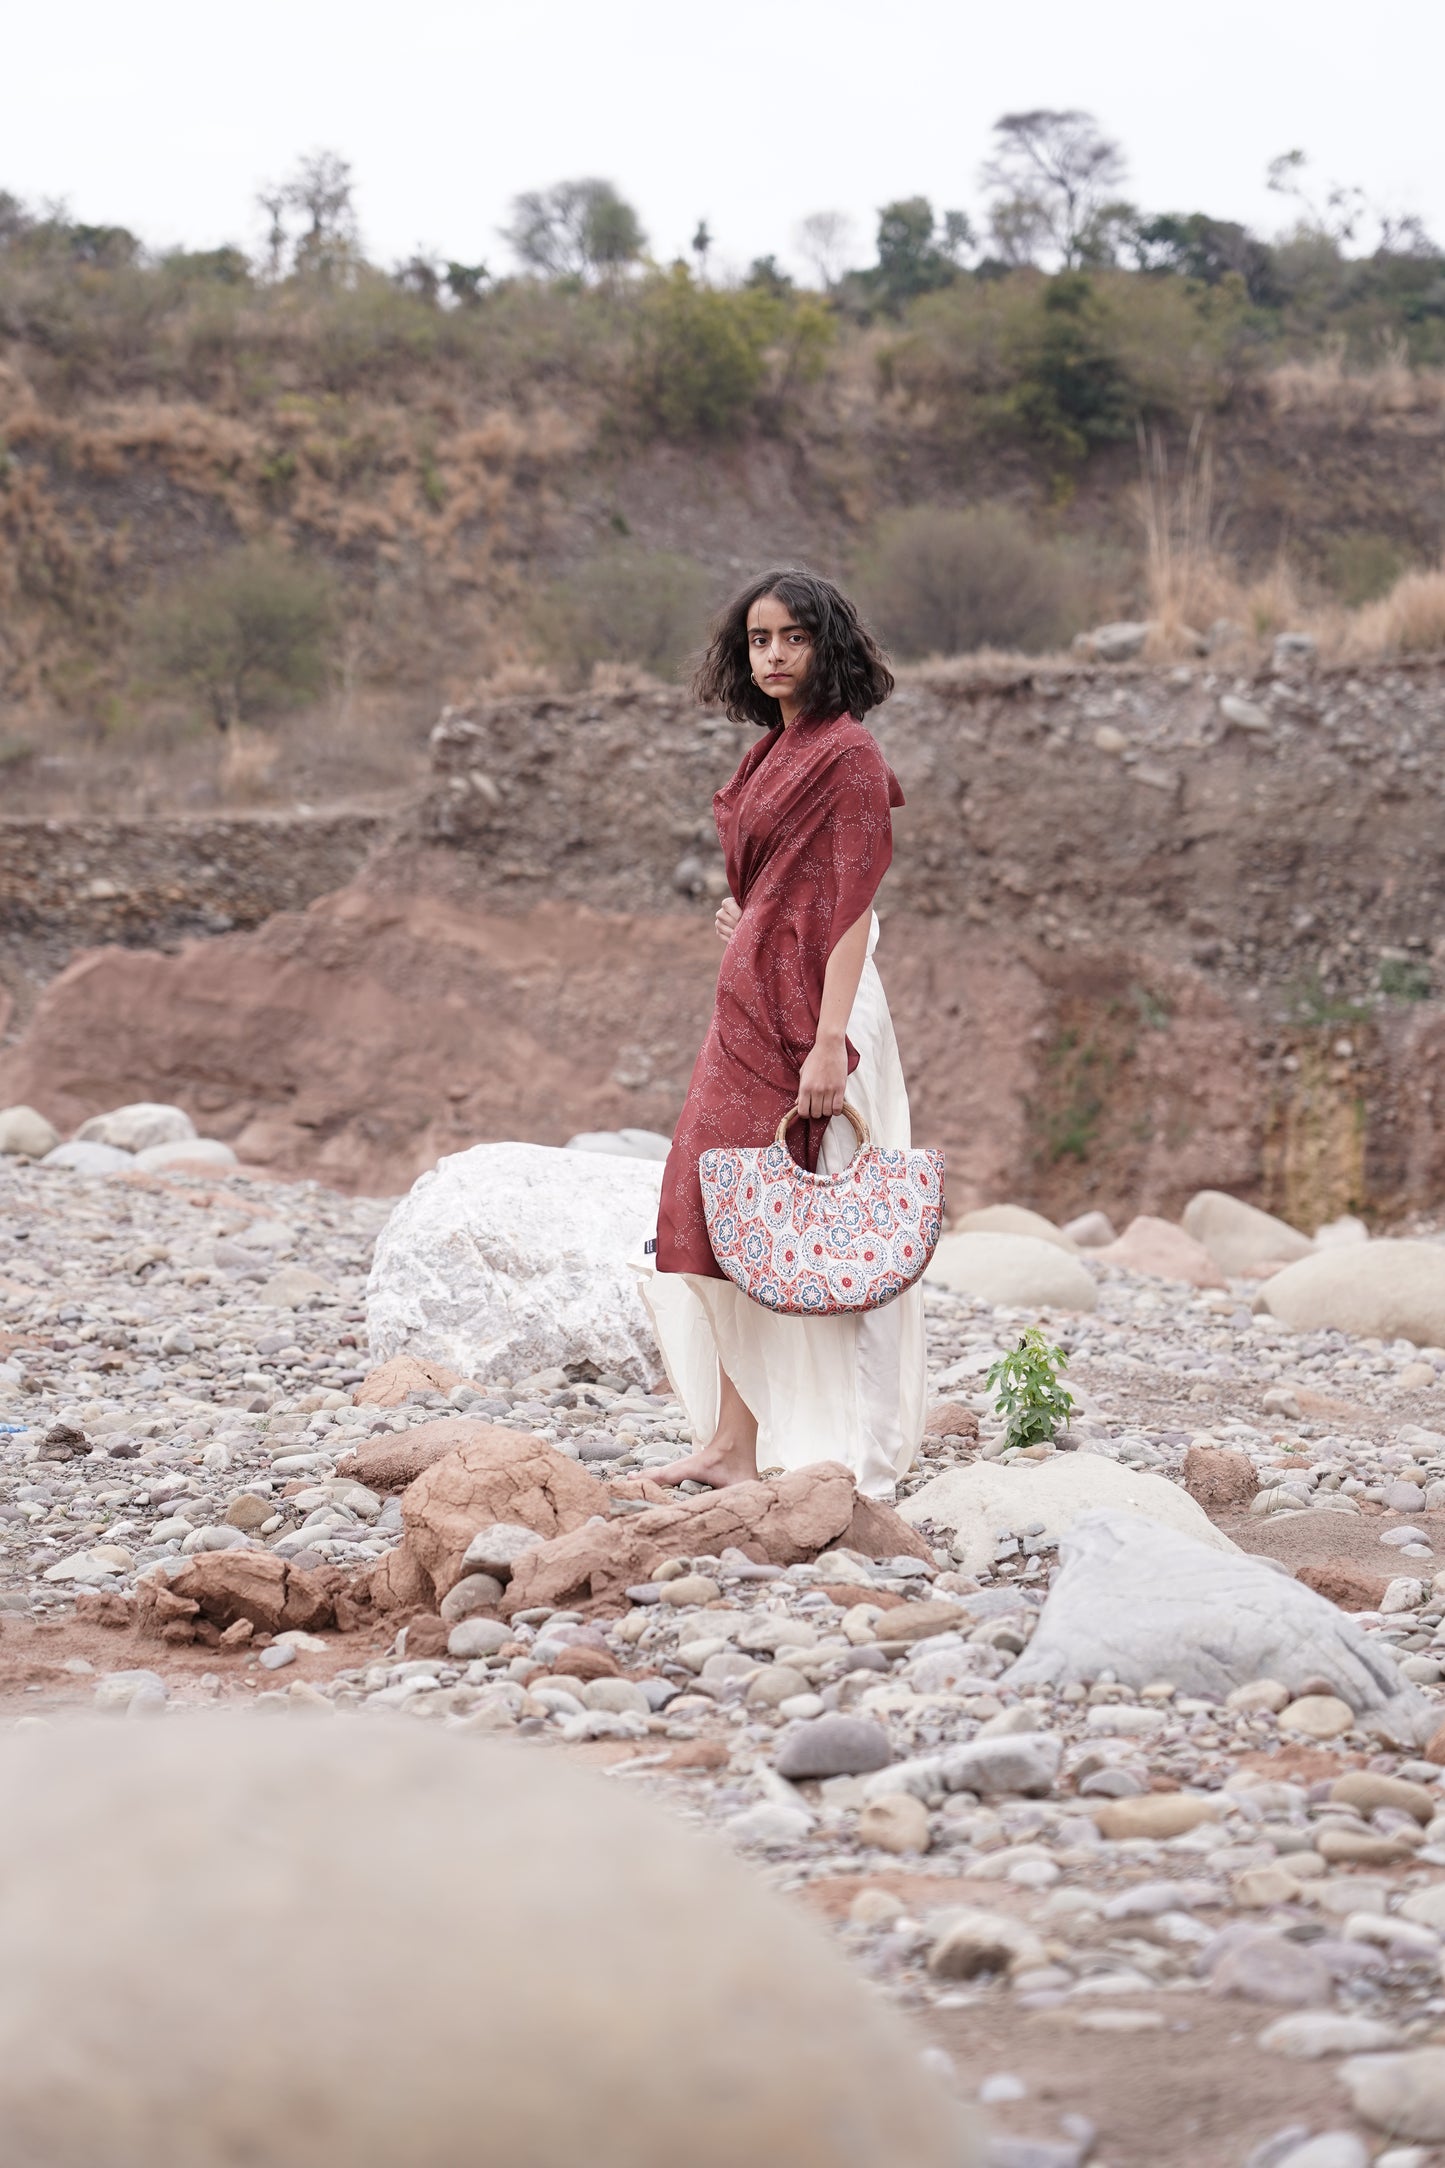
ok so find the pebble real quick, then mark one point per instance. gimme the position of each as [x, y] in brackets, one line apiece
[833, 1746]
[897, 1823]
[1318, 1716]
[197, 1405]
[1403, 2095]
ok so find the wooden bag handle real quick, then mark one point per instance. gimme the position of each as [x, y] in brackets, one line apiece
[860, 1127]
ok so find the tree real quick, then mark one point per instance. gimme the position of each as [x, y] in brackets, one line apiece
[914, 257]
[766, 276]
[824, 239]
[701, 247]
[1344, 210]
[1049, 179]
[249, 634]
[575, 229]
[1209, 250]
[311, 219]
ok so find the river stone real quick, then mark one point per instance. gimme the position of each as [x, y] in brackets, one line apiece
[1308, 2035]
[136, 1128]
[1386, 1290]
[1016, 1271]
[513, 1258]
[1025, 1762]
[1163, 1251]
[986, 1500]
[1146, 1603]
[107, 2060]
[895, 1823]
[184, 1152]
[1014, 1219]
[832, 1746]
[1403, 2095]
[81, 1157]
[1239, 1236]
[24, 1134]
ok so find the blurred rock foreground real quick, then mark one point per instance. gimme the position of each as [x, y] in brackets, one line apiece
[1132, 947]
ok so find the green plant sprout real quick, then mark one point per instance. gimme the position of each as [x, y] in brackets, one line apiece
[1029, 1394]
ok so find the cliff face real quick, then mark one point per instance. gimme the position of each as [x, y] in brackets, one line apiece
[1145, 931]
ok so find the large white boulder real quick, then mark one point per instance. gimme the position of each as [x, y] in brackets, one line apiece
[1238, 1236]
[352, 2031]
[987, 1500]
[1380, 1290]
[136, 1128]
[1014, 1219]
[1148, 1602]
[512, 1258]
[24, 1134]
[1017, 1272]
[622, 1143]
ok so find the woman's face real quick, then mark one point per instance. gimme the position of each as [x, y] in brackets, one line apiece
[780, 652]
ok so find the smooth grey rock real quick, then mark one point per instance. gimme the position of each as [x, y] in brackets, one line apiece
[474, 1592]
[1265, 1967]
[1122, 640]
[1332, 2149]
[1018, 1271]
[79, 1157]
[1026, 1763]
[1309, 2035]
[204, 1151]
[478, 1637]
[278, 1656]
[1387, 1290]
[496, 1548]
[833, 1746]
[1403, 2095]
[1146, 1602]
[136, 1128]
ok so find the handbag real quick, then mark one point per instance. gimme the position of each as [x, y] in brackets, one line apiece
[820, 1245]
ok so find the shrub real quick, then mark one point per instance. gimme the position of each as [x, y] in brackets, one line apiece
[249, 635]
[700, 354]
[646, 607]
[940, 582]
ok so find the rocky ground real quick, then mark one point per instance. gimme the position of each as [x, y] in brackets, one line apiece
[1142, 1923]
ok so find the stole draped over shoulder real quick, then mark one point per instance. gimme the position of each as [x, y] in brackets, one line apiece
[807, 836]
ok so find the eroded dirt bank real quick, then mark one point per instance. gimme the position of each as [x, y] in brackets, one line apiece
[1135, 940]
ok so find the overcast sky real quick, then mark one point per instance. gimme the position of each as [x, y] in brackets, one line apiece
[166, 115]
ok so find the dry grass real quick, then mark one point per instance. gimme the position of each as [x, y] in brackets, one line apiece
[1325, 384]
[1409, 620]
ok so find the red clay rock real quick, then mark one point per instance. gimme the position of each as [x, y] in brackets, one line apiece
[388, 1385]
[1166, 1252]
[426, 1636]
[1344, 1583]
[775, 1523]
[397, 1583]
[255, 1584]
[876, 1531]
[580, 1662]
[390, 1463]
[501, 1475]
[1220, 1479]
[950, 1419]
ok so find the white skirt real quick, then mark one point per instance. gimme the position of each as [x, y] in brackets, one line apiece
[849, 1388]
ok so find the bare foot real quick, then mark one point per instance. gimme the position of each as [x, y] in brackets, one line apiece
[718, 1464]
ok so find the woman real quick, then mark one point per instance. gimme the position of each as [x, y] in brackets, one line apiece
[800, 1018]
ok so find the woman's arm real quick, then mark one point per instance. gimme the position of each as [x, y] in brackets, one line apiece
[824, 1075]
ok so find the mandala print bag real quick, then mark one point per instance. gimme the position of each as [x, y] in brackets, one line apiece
[814, 1245]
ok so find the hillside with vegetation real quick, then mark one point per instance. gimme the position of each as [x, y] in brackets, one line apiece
[260, 515]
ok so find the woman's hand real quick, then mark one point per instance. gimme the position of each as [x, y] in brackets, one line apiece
[729, 911]
[823, 1078]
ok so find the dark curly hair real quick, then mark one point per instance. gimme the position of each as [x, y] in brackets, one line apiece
[847, 675]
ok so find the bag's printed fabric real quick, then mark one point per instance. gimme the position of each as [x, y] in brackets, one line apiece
[812, 1245]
